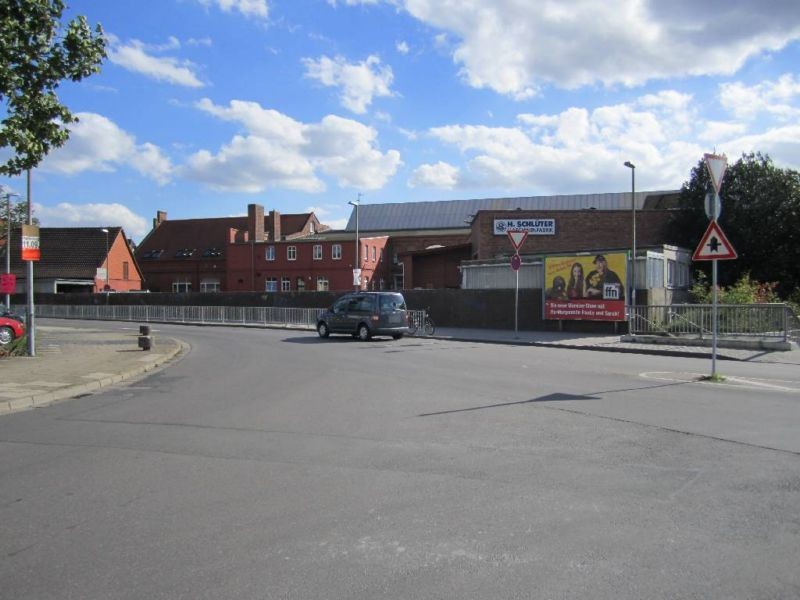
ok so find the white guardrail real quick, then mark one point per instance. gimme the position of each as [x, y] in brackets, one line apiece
[301, 318]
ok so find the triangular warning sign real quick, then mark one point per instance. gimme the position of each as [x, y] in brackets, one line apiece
[714, 245]
[716, 165]
[517, 237]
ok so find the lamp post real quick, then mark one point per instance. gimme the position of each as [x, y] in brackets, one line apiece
[8, 242]
[357, 263]
[632, 296]
[105, 287]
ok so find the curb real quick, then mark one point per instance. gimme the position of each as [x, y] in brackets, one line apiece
[48, 398]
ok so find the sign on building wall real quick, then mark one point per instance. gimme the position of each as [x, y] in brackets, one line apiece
[532, 226]
[585, 288]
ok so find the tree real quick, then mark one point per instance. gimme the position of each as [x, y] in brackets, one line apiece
[760, 216]
[36, 55]
[19, 214]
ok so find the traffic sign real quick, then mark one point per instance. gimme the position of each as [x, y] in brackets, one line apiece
[516, 262]
[713, 205]
[714, 245]
[517, 237]
[716, 166]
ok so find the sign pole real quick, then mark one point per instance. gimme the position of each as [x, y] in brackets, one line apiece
[714, 319]
[516, 307]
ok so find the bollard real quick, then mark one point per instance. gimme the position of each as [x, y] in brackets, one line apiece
[145, 342]
[144, 329]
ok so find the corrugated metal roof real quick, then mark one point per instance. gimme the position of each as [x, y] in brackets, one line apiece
[449, 214]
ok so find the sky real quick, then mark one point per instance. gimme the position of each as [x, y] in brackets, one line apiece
[205, 106]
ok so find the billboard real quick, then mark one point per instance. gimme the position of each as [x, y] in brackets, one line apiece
[585, 288]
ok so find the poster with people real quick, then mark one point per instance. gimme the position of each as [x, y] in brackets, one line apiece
[586, 288]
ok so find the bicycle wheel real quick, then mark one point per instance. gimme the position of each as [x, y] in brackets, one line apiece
[429, 326]
[412, 325]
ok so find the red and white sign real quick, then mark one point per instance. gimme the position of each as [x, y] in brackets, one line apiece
[714, 245]
[30, 242]
[600, 310]
[716, 166]
[517, 237]
[516, 262]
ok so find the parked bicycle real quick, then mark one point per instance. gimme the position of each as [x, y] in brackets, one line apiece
[427, 324]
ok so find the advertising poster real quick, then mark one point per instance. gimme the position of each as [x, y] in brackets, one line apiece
[585, 288]
[30, 242]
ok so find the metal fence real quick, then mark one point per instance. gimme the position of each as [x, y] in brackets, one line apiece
[301, 318]
[695, 320]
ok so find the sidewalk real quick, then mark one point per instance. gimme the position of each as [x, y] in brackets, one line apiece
[71, 361]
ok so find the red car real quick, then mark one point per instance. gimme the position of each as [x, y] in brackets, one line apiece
[10, 329]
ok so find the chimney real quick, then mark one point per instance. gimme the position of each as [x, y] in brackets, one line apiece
[275, 226]
[255, 222]
[161, 216]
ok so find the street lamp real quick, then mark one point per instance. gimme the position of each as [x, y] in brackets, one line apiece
[357, 263]
[105, 287]
[632, 167]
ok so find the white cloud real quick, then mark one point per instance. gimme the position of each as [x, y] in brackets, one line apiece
[67, 214]
[134, 56]
[515, 47]
[278, 151]
[249, 8]
[774, 98]
[439, 175]
[98, 144]
[402, 47]
[359, 82]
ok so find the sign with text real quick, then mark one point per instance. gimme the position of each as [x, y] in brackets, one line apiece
[30, 242]
[532, 226]
[8, 283]
[585, 288]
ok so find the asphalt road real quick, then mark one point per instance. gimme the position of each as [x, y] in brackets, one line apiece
[272, 464]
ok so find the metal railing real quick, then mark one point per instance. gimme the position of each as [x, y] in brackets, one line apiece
[695, 320]
[305, 318]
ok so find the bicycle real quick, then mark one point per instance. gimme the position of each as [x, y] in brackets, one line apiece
[428, 326]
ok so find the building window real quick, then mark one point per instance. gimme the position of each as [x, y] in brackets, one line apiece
[336, 252]
[291, 253]
[322, 284]
[182, 285]
[374, 253]
[209, 284]
[184, 253]
[311, 227]
[286, 284]
[366, 253]
[272, 284]
[317, 252]
[270, 254]
[301, 284]
[126, 275]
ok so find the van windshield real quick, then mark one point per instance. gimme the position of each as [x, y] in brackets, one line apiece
[392, 302]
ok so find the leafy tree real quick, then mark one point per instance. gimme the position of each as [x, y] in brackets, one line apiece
[760, 216]
[19, 214]
[36, 55]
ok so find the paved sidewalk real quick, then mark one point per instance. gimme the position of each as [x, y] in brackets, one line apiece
[71, 361]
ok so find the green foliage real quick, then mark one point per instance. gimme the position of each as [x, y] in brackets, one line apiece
[19, 215]
[36, 55]
[760, 216]
[744, 291]
[18, 347]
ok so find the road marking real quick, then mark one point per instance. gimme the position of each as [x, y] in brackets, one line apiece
[729, 381]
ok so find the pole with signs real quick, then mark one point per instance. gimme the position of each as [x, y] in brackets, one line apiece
[517, 238]
[714, 245]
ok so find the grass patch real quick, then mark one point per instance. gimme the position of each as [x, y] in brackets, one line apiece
[18, 347]
[713, 378]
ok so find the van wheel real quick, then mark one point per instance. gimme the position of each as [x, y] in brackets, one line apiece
[364, 333]
[322, 329]
[397, 336]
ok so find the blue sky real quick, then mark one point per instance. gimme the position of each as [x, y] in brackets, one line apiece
[204, 106]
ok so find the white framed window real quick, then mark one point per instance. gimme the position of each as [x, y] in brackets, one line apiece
[322, 283]
[317, 251]
[271, 284]
[291, 253]
[301, 284]
[182, 285]
[374, 253]
[366, 252]
[270, 253]
[286, 284]
[336, 252]
[210, 284]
